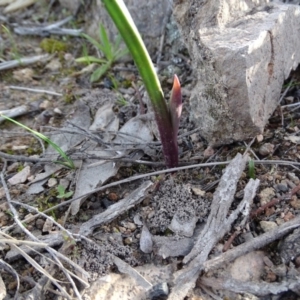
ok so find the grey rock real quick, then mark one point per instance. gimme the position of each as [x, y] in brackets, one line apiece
[242, 51]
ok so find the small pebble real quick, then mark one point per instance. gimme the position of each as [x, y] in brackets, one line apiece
[112, 196]
[282, 187]
[295, 202]
[52, 182]
[39, 224]
[129, 225]
[29, 216]
[57, 111]
[266, 195]
[151, 214]
[260, 138]
[128, 241]
[293, 177]
[197, 191]
[288, 216]
[266, 149]
[4, 218]
[45, 104]
[267, 225]
[122, 229]
[280, 270]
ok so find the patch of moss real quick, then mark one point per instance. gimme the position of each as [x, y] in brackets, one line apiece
[47, 201]
[69, 98]
[20, 168]
[53, 45]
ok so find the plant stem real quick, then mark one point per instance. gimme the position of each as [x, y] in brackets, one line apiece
[126, 27]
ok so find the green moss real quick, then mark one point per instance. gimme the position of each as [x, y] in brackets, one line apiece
[20, 168]
[69, 98]
[53, 45]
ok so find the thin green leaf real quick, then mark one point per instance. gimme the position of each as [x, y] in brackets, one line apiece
[92, 41]
[117, 43]
[106, 45]
[251, 167]
[61, 190]
[97, 74]
[69, 194]
[90, 59]
[67, 161]
[120, 53]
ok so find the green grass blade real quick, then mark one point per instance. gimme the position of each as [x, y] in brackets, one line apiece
[92, 41]
[99, 72]
[120, 53]
[106, 45]
[67, 161]
[251, 169]
[90, 59]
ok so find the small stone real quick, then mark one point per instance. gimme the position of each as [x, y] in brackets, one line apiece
[57, 111]
[137, 220]
[295, 202]
[130, 226]
[197, 191]
[288, 216]
[24, 75]
[4, 206]
[151, 214]
[4, 218]
[13, 167]
[112, 196]
[159, 291]
[271, 276]
[282, 187]
[122, 229]
[20, 177]
[279, 221]
[39, 223]
[54, 65]
[267, 225]
[266, 149]
[293, 177]
[52, 182]
[128, 241]
[47, 226]
[194, 137]
[30, 215]
[45, 104]
[248, 267]
[208, 152]
[266, 195]
[146, 243]
[259, 138]
[280, 270]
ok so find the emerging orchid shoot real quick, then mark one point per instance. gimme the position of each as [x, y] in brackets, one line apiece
[175, 105]
[167, 116]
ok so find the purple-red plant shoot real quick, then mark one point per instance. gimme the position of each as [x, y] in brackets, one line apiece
[175, 106]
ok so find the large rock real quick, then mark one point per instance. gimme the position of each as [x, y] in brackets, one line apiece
[241, 50]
